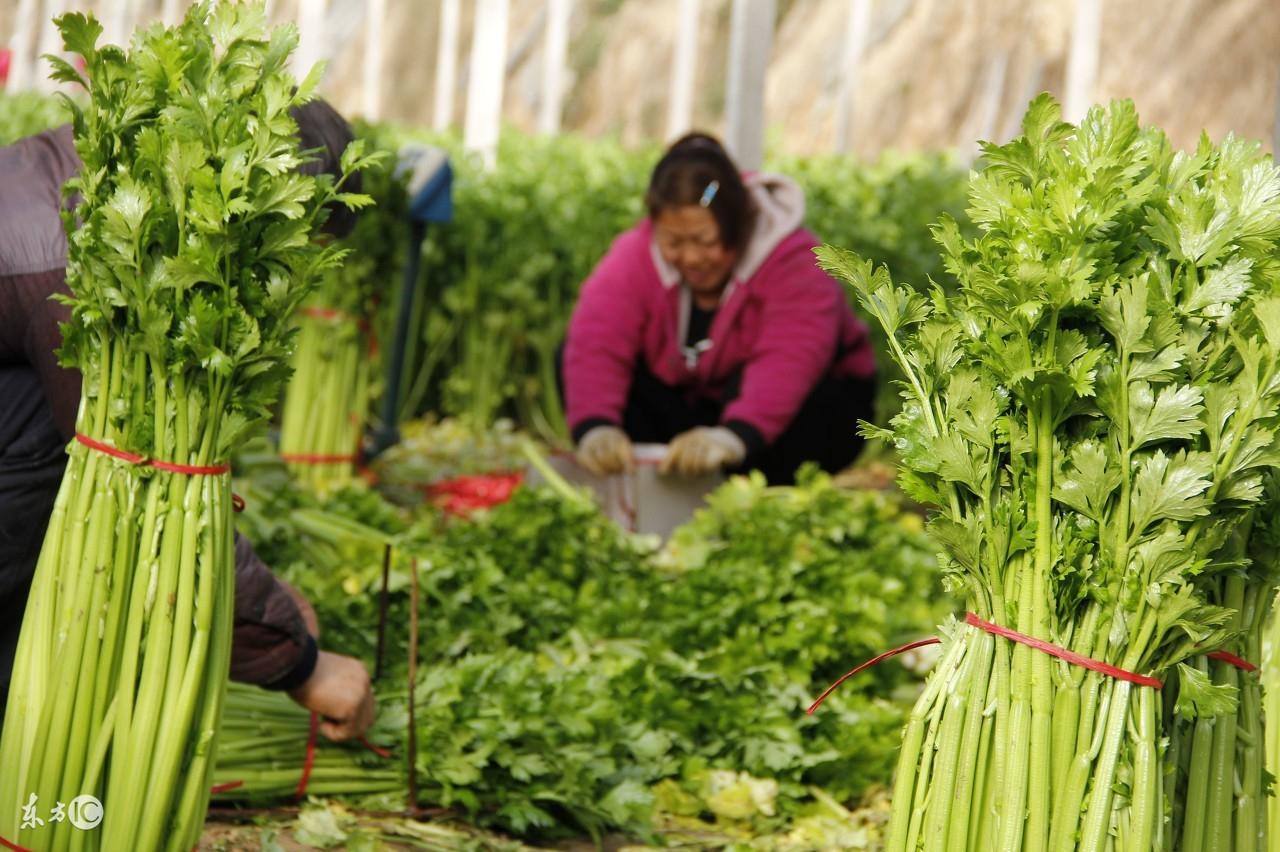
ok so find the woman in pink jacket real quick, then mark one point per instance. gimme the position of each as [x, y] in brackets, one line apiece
[710, 327]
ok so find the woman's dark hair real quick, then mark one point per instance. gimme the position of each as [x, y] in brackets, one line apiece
[682, 177]
[326, 133]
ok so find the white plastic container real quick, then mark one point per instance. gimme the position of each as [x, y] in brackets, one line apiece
[644, 500]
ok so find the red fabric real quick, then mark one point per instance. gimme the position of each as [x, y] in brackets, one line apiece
[462, 495]
[172, 467]
[782, 327]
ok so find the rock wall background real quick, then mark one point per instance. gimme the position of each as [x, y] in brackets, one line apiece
[937, 73]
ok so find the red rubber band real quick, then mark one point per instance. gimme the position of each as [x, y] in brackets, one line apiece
[1038, 644]
[109, 450]
[1063, 653]
[310, 759]
[133, 458]
[380, 752]
[336, 315]
[223, 788]
[15, 847]
[868, 664]
[325, 313]
[1238, 662]
[306, 458]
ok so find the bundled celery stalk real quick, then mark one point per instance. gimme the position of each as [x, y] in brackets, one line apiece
[1217, 766]
[322, 423]
[1092, 413]
[192, 250]
[327, 401]
[263, 752]
[1271, 695]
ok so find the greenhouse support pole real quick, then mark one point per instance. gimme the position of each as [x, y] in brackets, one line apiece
[856, 35]
[750, 40]
[1275, 140]
[1082, 62]
[446, 65]
[115, 29]
[50, 40]
[375, 17]
[987, 110]
[488, 65]
[554, 45]
[311, 36]
[22, 60]
[683, 69]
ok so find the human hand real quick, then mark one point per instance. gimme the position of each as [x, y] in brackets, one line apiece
[702, 450]
[605, 450]
[340, 693]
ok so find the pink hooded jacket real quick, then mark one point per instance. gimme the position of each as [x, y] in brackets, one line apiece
[782, 321]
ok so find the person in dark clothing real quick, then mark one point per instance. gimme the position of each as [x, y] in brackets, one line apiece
[274, 644]
[710, 327]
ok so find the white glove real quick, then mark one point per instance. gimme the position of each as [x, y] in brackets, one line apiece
[605, 450]
[703, 450]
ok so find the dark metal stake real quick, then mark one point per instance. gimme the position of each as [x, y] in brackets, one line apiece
[413, 683]
[383, 601]
[389, 434]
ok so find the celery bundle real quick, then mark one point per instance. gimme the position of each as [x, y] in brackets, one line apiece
[263, 752]
[327, 401]
[1271, 710]
[192, 249]
[1093, 414]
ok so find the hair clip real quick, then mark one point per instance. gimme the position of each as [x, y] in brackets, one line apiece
[709, 194]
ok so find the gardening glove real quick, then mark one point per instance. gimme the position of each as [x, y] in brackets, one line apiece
[703, 450]
[605, 450]
[340, 693]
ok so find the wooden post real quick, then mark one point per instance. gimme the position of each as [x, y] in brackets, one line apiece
[375, 17]
[750, 40]
[987, 109]
[683, 69]
[446, 65]
[1082, 62]
[1275, 134]
[488, 66]
[171, 12]
[22, 61]
[50, 41]
[554, 45]
[856, 34]
[311, 36]
[115, 27]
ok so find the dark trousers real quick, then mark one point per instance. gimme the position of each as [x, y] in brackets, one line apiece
[32, 459]
[824, 430]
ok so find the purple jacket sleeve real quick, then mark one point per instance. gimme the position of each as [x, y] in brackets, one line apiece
[794, 347]
[271, 646]
[604, 340]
